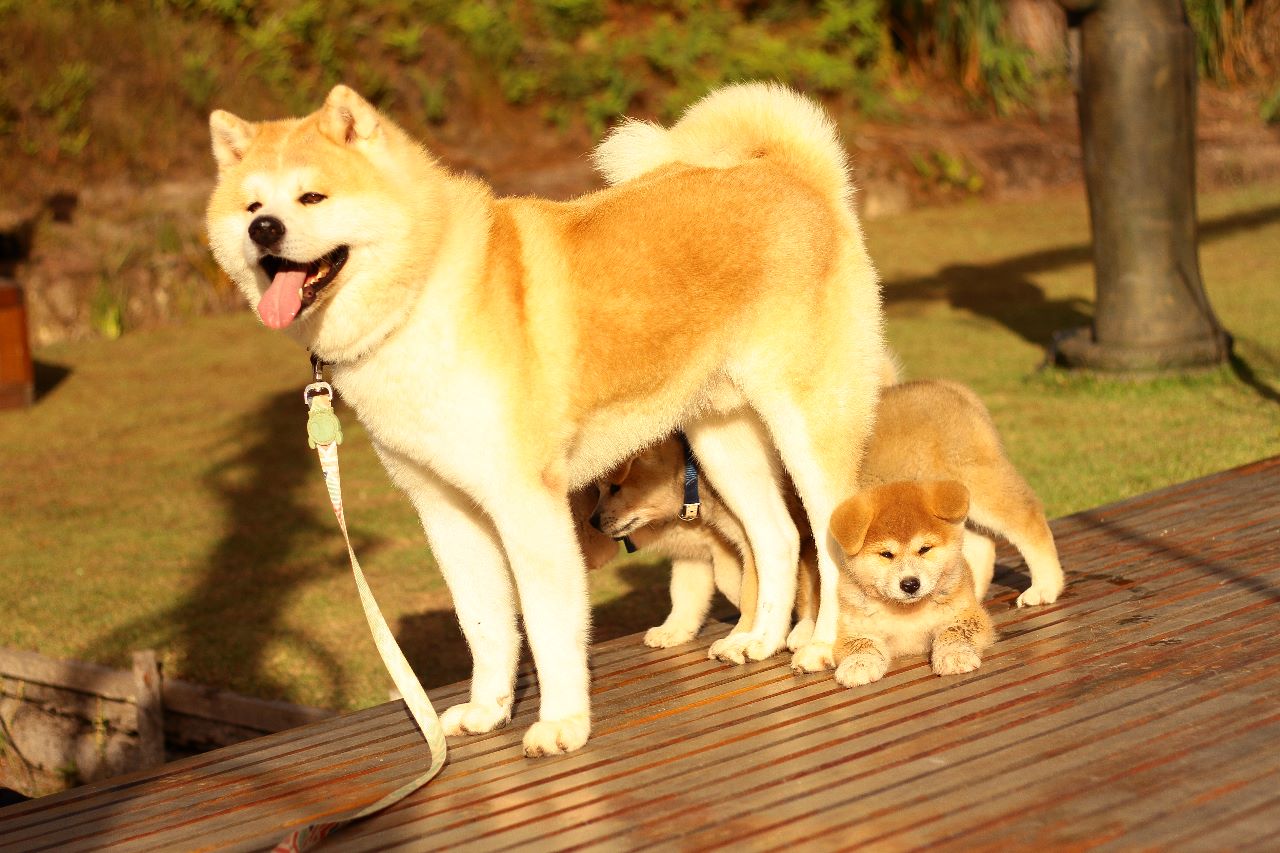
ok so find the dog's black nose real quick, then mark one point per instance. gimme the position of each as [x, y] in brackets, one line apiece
[595, 522]
[909, 585]
[266, 231]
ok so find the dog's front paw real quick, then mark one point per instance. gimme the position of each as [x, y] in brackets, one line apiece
[475, 718]
[955, 660]
[1040, 594]
[800, 634]
[730, 649]
[740, 648]
[553, 737]
[861, 669]
[665, 636]
[813, 657]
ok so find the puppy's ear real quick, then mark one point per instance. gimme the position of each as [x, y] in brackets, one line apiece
[620, 474]
[231, 137]
[349, 119]
[850, 521]
[947, 500]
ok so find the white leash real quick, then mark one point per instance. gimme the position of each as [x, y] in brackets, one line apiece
[324, 433]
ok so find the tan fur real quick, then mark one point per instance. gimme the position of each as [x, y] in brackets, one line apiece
[925, 430]
[465, 332]
[942, 431]
[642, 500]
[894, 535]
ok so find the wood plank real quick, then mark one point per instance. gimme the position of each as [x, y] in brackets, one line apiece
[263, 715]
[827, 687]
[69, 675]
[150, 708]
[180, 697]
[793, 759]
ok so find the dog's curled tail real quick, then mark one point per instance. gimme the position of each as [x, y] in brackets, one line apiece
[731, 126]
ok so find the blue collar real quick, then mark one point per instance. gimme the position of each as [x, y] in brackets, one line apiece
[692, 505]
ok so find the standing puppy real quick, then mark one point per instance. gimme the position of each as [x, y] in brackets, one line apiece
[906, 588]
[465, 331]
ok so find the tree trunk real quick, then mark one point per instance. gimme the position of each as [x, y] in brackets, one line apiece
[1137, 121]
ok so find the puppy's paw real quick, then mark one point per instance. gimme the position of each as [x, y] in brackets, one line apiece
[475, 718]
[665, 636]
[1040, 594]
[800, 634]
[813, 657]
[861, 669]
[553, 737]
[955, 660]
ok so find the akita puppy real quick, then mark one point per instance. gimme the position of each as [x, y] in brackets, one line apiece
[925, 430]
[502, 353]
[641, 500]
[906, 588]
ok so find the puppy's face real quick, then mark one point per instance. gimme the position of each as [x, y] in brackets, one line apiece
[902, 540]
[646, 490]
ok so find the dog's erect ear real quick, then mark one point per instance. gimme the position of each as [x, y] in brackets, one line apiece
[231, 137]
[349, 119]
[850, 521]
[948, 500]
[619, 475]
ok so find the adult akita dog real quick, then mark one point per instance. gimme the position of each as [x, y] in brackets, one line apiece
[503, 352]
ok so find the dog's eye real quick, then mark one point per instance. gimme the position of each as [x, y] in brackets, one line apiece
[255, 207]
[311, 198]
[888, 555]
[614, 488]
[925, 549]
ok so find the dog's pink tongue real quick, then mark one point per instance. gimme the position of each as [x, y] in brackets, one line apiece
[282, 301]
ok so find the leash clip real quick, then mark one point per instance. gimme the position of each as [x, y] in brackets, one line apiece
[315, 388]
[689, 512]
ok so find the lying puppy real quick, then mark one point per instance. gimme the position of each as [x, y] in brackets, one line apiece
[925, 430]
[905, 588]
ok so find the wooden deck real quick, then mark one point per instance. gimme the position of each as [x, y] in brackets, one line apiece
[1140, 711]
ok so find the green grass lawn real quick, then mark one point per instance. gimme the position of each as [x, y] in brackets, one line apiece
[161, 494]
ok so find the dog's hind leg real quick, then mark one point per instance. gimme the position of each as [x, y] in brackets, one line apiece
[980, 553]
[821, 444]
[1001, 501]
[738, 458]
[538, 534]
[466, 547]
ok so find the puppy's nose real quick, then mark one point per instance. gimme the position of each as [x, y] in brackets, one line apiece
[909, 585]
[595, 522]
[266, 231]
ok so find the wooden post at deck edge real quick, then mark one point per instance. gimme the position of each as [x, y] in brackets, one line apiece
[148, 688]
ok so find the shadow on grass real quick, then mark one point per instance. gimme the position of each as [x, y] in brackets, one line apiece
[1246, 374]
[1002, 290]
[433, 642]
[231, 622]
[48, 377]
